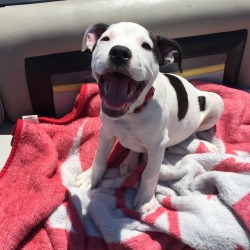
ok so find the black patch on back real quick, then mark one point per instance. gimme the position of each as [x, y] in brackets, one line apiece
[202, 102]
[181, 93]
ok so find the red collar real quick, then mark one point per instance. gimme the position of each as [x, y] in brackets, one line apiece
[147, 97]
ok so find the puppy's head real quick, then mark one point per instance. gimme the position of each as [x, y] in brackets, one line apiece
[125, 63]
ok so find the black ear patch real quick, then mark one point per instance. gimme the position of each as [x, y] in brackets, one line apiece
[99, 29]
[170, 51]
[181, 94]
[156, 51]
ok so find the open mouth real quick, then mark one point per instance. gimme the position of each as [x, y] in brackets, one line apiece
[118, 91]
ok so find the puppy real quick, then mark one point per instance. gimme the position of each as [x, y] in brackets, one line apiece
[143, 109]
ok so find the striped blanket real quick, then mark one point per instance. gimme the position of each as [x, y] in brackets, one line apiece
[203, 198]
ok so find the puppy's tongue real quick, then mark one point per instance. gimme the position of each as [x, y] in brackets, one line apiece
[116, 89]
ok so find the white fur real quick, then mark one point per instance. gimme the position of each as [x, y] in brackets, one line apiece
[157, 126]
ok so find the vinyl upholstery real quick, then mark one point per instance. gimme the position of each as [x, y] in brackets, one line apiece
[55, 27]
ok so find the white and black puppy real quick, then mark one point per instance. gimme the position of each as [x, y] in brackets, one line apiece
[143, 109]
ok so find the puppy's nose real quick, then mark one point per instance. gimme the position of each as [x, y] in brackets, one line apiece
[120, 55]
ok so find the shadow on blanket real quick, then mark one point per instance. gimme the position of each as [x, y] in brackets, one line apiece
[203, 198]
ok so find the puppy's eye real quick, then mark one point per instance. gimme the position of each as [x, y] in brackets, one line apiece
[146, 46]
[105, 39]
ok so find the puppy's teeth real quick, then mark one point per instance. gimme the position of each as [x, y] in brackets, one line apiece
[114, 108]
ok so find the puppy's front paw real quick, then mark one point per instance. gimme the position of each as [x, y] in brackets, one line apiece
[85, 179]
[142, 203]
[144, 200]
[211, 147]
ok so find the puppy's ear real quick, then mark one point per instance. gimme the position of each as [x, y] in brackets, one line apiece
[92, 34]
[170, 51]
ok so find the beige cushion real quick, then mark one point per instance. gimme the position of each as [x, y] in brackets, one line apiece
[56, 27]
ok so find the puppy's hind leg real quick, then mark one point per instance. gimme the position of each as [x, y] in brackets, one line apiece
[211, 107]
[130, 162]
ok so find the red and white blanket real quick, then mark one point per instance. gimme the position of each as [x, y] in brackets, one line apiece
[203, 198]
